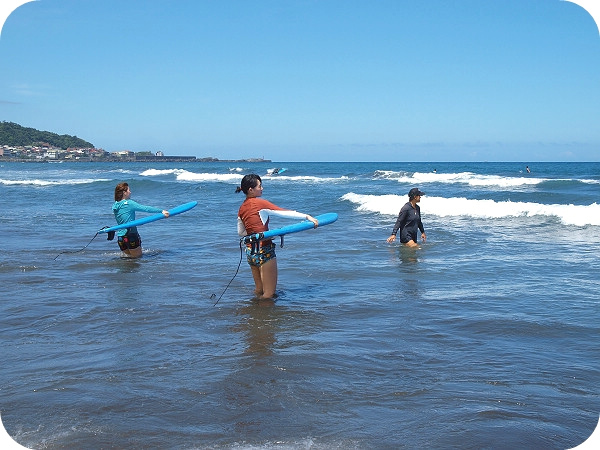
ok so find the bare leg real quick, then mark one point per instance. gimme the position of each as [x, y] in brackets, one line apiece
[411, 244]
[133, 252]
[136, 252]
[268, 274]
[258, 289]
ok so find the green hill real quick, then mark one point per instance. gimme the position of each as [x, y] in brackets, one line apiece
[15, 135]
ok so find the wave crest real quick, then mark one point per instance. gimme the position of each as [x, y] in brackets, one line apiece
[38, 182]
[468, 178]
[390, 204]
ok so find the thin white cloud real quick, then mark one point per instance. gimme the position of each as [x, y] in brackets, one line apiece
[25, 90]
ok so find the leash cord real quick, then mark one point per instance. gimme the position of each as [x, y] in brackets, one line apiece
[236, 272]
[212, 296]
[75, 251]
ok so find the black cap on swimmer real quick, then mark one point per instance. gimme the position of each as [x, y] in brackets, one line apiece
[414, 192]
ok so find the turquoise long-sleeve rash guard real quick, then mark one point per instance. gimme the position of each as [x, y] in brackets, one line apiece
[124, 212]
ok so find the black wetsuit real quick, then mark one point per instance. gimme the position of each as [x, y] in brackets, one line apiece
[408, 222]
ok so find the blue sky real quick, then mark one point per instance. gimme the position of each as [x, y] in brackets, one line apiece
[310, 80]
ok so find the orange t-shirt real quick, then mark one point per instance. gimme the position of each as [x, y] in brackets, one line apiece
[249, 213]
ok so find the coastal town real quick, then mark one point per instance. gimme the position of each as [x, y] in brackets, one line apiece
[25, 144]
[49, 153]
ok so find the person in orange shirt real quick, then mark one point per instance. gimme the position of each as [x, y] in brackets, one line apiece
[253, 217]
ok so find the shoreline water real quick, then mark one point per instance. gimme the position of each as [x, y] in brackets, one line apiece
[486, 337]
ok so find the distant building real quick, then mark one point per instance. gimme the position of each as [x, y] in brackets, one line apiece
[98, 153]
[123, 154]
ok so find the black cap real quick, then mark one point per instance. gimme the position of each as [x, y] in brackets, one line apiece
[414, 192]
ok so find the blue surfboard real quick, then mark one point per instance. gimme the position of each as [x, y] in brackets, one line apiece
[324, 219]
[136, 223]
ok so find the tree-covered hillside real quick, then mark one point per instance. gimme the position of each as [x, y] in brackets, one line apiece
[15, 135]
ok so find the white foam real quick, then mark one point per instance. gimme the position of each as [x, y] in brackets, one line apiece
[480, 209]
[307, 178]
[192, 176]
[126, 171]
[468, 178]
[185, 175]
[38, 182]
[159, 172]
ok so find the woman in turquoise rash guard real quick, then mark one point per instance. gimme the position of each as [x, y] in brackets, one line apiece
[124, 209]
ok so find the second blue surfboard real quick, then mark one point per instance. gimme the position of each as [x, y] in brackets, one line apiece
[135, 223]
[324, 219]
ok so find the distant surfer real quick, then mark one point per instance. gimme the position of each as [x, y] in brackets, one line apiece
[527, 169]
[409, 221]
[124, 210]
[253, 217]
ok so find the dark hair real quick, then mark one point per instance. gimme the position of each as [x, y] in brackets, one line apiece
[249, 181]
[120, 190]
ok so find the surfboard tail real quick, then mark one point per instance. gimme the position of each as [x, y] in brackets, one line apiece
[252, 238]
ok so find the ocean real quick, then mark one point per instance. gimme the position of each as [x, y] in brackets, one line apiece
[485, 337]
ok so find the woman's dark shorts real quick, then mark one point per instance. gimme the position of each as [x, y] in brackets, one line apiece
[129, 241]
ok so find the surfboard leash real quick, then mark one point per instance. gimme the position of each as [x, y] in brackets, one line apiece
[254, 241]
[111, 236]
[235, 275]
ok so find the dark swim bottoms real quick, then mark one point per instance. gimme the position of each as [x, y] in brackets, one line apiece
[129, 241]
[406, 237]
[264, 254]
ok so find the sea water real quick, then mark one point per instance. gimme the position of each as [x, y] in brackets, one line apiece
[485, 337]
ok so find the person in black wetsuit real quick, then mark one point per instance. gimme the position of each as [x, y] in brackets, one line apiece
[409, 221]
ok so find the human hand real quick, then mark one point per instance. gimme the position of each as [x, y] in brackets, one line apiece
[313, 220]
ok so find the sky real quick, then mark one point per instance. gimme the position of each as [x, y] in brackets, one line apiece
[309, 80]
